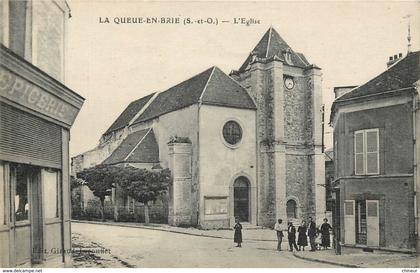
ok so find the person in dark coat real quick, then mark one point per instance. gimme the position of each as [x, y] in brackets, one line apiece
[312, 232]
[302, 238]
[291, 236]
[325, 233]
[238, 233]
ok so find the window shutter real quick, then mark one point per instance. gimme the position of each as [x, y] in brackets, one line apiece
[372, 152]
[349, 222]
[358, 153]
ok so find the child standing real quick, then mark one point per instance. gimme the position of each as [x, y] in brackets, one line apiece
[238, 233]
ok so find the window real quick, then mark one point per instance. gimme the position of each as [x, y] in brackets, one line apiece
[21, 194]
[17, 26]
[232, 132]
[50, 194]
[366, 152]
[215, 205]
[361, 222]
[291, 208]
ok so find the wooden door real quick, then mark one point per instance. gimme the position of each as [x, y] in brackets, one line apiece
[372, 211]
[20, 225]
[241, 199]
[349, 222]
[25, 215]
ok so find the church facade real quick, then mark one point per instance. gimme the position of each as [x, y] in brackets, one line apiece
[248, 145]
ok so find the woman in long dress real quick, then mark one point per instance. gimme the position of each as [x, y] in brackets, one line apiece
[302, 237]
[325, 232]
[238, 233]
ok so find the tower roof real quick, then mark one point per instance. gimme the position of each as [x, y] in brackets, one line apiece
[272, 44]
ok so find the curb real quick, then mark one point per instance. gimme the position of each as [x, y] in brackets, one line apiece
[326, 262]
[119, 224]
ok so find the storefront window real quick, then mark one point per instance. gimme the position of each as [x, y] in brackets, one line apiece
[21, 194]
[50, 194]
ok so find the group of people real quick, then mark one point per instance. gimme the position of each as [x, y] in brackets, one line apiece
[304, 231]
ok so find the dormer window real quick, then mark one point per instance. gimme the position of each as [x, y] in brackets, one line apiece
[288, 55]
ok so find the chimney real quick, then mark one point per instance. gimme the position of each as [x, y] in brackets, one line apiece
[393, 59]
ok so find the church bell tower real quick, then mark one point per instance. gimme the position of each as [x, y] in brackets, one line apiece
[287, 91]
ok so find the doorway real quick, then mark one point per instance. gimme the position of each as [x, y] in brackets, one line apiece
[241, 197]
[361, 222]
[25, 214]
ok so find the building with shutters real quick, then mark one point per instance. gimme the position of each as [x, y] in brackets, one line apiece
[247, 145]
[376, 127]
[36, 113]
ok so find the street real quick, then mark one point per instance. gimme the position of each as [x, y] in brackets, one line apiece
[137, 247]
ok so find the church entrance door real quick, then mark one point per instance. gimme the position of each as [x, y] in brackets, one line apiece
[241, 198]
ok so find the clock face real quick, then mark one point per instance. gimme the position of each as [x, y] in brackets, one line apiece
[289, 83]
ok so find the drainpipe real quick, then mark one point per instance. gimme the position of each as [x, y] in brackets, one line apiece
[322, 132]
[415, 169]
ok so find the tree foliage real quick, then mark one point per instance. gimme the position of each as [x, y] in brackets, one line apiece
[140, 184]
[144, 185]
[100, 180]
[75, 182]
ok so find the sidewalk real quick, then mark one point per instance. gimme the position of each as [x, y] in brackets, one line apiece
[252, 234]
[372, 260]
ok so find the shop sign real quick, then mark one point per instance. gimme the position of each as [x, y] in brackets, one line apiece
[21, 91]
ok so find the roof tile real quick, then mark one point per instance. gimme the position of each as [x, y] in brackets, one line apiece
[402, 74]
[128, 114]
[141, 144]
[272, 44]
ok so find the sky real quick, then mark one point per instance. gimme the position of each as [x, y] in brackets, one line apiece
[112, 64]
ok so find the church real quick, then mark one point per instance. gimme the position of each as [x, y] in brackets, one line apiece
[248, 144]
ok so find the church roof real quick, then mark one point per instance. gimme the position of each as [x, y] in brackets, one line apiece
[128, 114]
[272, 44]
[402, 74]
[137, 147]
[211, 86]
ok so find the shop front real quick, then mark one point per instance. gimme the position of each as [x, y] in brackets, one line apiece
[36, 113]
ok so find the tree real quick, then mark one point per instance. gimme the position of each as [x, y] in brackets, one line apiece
[75, 182]
[145, 186]
[100, 179]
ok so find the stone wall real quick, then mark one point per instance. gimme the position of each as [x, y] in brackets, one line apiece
[299, 184]
[288, 137]
[298, 113]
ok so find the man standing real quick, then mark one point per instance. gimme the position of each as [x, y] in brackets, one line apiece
[278, 227]
[291, 236]
[312, 234]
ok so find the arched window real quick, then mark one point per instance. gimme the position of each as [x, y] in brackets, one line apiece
[291, 209]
